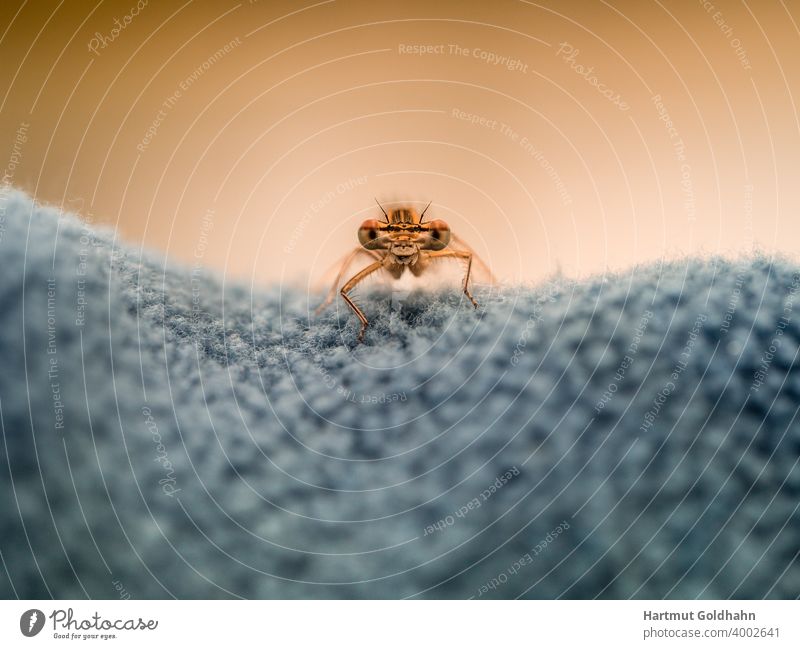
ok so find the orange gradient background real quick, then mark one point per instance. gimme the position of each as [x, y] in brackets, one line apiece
[263, 157]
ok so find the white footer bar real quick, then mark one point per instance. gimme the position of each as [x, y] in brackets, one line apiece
[354, 624]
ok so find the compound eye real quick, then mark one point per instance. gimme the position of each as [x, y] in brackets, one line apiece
[439, 233]
[369, 231]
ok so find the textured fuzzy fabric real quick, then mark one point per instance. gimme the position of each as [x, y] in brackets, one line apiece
[166, 435]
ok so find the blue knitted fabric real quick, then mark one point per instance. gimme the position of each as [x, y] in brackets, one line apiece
[169, 435]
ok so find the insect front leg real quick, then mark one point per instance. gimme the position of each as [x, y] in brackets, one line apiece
[458, 254]
[348, 260]
[350, 285]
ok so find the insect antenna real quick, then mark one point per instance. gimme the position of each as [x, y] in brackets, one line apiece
[423, 212]
[383, 210]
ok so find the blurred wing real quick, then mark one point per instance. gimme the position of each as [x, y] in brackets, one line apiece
[480, 273]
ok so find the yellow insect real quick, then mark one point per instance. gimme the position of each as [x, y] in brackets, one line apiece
[403, 242]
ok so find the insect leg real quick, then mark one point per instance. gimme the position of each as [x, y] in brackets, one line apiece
[459, 254]
[457, 242]
[342, 269]
[350, 285]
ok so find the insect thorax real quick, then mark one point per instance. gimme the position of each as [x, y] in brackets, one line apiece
[402, 215]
